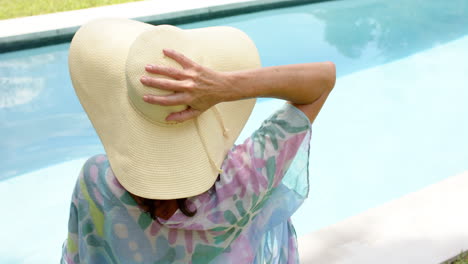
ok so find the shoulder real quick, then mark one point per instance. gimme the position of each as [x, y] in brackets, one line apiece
[95, 166]
[97, 182]
[94, 172]
[97, 159]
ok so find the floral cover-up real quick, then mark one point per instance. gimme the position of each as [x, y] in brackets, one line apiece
[243, 218]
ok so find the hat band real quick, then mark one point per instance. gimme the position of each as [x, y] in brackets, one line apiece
[202, 138]
[220, 120]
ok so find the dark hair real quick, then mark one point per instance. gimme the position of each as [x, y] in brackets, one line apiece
[149, 206]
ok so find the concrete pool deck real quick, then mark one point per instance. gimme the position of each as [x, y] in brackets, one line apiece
[25, 32]
[426, 226]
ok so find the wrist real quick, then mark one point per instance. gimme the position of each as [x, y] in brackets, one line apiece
[233, 86]
[240, 85]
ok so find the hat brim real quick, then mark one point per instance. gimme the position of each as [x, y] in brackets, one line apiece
[151, 160]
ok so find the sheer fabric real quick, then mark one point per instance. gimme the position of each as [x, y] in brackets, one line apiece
[243, 218]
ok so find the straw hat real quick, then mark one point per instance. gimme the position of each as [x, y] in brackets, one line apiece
[151, 157]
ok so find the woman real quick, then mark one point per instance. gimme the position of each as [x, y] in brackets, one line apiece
[244, 217]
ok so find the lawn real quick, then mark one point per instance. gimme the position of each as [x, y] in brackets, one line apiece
[460, 259]
[21, 8]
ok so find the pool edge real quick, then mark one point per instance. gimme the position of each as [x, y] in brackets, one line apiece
[58, 34]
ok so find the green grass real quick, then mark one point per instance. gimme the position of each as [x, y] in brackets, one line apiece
[21, 8]
[460, 259]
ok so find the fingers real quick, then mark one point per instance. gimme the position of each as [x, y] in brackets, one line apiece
[173, 99]
[167, 71]
[165, 84]
[183, 115]
[181, 82]
[180, 58]
[182, 75]
[167, 100]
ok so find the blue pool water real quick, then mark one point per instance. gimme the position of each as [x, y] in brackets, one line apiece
[396, 121]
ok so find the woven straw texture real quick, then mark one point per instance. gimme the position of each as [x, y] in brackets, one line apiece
[149, 156]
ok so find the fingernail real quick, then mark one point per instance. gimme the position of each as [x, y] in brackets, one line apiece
[143, 79]
[149, 67]
[145, 97]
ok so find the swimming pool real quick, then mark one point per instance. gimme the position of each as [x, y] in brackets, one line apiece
[372, 142]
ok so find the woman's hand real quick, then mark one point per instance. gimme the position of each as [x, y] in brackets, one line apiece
[305, 85]
[196, 86]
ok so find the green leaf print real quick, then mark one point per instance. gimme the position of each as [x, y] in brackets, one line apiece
[225, 236]
[262, 202]
[274, 133]
[230, 217]
[244, 220]
[237, 234]
[204, 254]
[269, 131]
[291, 129]
[240, 207]
[144, 221]
[87, 227]
[96, 241]
[271, 170]
[254, 201]
[126, 198]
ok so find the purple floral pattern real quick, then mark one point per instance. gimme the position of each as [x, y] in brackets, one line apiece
[243, 218]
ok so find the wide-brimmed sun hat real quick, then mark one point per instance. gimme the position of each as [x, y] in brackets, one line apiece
[151, 157]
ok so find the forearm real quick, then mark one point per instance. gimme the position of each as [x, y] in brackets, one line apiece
[305, 85]
[298, 83]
